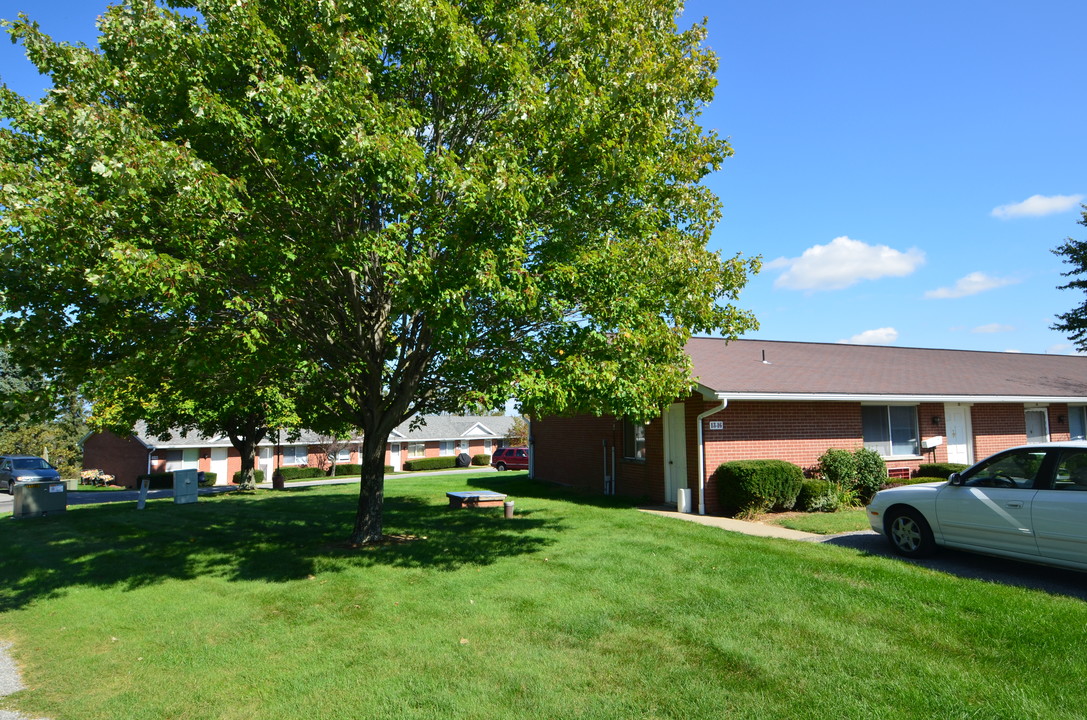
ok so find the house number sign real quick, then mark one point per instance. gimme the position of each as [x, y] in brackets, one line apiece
[717, 424]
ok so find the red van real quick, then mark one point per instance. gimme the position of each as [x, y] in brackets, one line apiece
[510, 458]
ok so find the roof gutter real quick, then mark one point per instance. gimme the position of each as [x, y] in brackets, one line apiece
[702, 455]
[895, 397]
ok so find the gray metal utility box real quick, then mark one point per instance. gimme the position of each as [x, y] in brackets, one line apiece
[36, 498]
[185, 486]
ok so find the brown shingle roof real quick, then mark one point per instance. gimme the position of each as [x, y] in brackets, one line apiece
[793, 368]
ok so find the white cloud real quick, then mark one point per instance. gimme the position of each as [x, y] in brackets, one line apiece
[879, 336]
[993, 328]
[972, 284]
[1037, 206]
[1063, 349]
[844, 262]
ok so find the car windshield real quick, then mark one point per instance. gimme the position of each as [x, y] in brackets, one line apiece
[29, 464]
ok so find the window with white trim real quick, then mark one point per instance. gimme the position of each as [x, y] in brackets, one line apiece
[296, 455]
[416, 450]
[445, 448]
[891, 430]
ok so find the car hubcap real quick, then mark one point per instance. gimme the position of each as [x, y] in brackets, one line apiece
[905, 533]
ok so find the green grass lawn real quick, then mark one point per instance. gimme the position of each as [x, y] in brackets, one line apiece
[249, 606]
[847, 520]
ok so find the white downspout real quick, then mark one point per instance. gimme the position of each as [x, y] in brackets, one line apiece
[702, 456]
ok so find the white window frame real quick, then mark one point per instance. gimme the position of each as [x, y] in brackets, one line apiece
[886, 449]
[416, 450]
[296, 455]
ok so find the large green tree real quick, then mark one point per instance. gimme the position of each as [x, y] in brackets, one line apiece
[430, 203]
[1074, 322]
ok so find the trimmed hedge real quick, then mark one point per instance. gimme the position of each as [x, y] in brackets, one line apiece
[818, 496]
[348, 469]
[940, 470]
[435, 463]
[209, 479]
[749, 487]
[300, 473]
[481, 459]
[258, 477]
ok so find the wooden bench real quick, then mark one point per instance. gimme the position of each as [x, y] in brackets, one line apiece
[475, 499]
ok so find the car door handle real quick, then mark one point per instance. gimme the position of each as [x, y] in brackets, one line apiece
[1014, 505]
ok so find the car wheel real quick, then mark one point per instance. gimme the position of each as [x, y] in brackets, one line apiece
[909, 533]
[500, 467]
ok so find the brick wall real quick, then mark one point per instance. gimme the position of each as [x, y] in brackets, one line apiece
[124, 458]
[573, 451]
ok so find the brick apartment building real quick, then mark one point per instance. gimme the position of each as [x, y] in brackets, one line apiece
[141, 452]
[759, 399]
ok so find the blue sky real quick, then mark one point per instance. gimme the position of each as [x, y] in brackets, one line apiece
[903, 168]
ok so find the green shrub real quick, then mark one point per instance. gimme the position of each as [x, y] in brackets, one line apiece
[435, 463]
[481, 459]
[348, 469]
[209, 479]
[748, 487]
[258, 477]
[299, 473]
[871, 473]
[940, 470]
[839, 467]
[818, 496]
[158, 481]
[914, 481]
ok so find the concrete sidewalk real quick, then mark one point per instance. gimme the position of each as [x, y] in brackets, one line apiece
[743, 526]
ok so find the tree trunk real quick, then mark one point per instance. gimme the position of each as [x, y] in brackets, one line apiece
[248, 451]
[371, 490]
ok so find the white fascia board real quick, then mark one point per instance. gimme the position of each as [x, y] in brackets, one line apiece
[478, 430]
[873, 398]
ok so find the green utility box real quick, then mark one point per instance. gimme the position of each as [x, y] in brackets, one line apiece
[186, 483]
[36, 498]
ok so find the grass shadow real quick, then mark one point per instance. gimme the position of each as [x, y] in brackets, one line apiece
[270, 537]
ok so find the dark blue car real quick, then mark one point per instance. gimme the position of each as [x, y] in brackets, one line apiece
[21, 468]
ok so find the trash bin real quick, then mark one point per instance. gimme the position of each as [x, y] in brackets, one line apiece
[35, 498]
[185, 486]
[72, 483]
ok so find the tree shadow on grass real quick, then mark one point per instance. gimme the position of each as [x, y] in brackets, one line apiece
[518, 484]
[260, 537]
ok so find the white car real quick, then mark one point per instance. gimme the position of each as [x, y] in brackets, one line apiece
[1027, 503]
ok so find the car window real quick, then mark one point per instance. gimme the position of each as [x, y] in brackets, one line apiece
[1016, 469]
[1071, 471]
[30, 464]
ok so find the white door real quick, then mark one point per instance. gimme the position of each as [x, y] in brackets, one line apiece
[1037, 425]
[959, 440]
[219, 465]
[264, 462]
[675, 452]
[394, 456]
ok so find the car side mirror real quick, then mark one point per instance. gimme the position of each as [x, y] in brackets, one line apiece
[954, 479]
